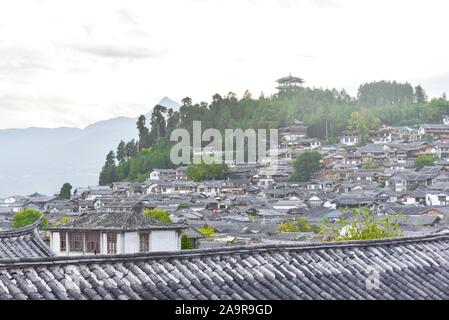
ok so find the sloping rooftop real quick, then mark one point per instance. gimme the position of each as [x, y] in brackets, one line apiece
[400, 268]
[23, 243]
[115, 221]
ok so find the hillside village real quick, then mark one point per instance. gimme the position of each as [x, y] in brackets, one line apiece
[248, 206]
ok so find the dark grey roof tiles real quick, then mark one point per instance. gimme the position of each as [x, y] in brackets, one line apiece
[23, 243]
[115, 221]
[403, 268]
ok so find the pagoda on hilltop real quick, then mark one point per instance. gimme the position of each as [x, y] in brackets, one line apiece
[289, 83]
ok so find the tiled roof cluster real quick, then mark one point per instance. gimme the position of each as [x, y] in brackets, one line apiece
[400, 268]
[115, 221]
[23, 243]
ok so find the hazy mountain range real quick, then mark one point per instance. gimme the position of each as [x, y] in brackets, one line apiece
[42, 159]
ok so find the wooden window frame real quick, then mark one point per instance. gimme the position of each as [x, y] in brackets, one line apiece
[76, 241]
[111, 242]
[93, 242]
[144, 242]
[62, 241]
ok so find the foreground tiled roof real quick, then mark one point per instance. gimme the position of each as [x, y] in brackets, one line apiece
[23, 243]
[401, 268]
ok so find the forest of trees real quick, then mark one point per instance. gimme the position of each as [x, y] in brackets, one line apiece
[326, 112]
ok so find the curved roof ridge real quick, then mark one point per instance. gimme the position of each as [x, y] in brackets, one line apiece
[247, 249]
[20, 231]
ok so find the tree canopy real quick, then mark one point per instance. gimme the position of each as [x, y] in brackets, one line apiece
[326, 112]
[198, 172]
[299, 225]
[66, 191]
[305, 165]
[362, 225]
[424, 160]
[158, 214]
[28, 216]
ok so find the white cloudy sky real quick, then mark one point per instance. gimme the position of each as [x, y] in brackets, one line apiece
[70, 63]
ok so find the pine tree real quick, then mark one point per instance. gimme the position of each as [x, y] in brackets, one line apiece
[121, 151]
[108, 173]
[144, 133]
[131, 149]
[186, 243]
[66, 191]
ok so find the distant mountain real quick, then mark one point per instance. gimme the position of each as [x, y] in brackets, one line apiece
[42, 159]
[169, 103]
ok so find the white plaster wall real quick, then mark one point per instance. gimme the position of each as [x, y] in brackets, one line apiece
[104, 243]
[166, 240]
[131, 242]
[120, 245]
[56, 242]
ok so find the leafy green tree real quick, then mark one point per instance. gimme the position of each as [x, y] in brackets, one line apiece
[172, 121]
[131, 149]
[66, 191]
[183, 205]
[427, 138]
[208, 231]
[385, 93]
[186, 243]
[436, 108]
[158, 123]
[424, 160]
[121, 151]
[108, 173]
[288, 226]
[363, 121]
[364, 225]
[370, 165]
[198, 172]
[382, 182]
[299, 225]
[65, 220]
[28, 216]
[158, 214]
[144, 133]
[305, 165]
[420, 95]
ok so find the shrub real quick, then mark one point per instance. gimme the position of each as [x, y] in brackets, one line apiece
[28, 216]
[299, 225]
[186, 243]
[208, 231]
[363, 227]
[183, 205]
[158, 214]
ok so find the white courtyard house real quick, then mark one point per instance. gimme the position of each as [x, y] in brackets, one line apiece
[349, 138]
[114, 233]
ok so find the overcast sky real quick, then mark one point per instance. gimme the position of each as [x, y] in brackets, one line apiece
[71, 63]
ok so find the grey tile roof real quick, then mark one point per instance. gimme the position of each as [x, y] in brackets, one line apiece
[400, 268]
[23, 243]
[115, 221]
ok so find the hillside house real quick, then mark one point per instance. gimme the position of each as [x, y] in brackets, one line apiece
[349, 138]
[163, 174]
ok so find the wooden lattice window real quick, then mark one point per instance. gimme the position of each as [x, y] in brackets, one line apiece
[62, 241]
[76, 241]
[144, 241]
[112, 243]
[93, 242]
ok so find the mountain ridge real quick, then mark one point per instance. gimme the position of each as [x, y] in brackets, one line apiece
[42, 159]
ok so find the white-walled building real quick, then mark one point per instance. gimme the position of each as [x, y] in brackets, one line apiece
[349, 138]
[114, 233]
